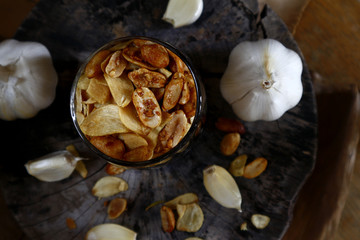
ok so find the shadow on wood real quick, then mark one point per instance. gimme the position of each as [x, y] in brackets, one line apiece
[320, 203]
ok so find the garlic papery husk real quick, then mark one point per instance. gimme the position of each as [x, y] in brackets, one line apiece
[110, 231]
[222, 187]
[183, 12]
[262, 80]
[53, 167]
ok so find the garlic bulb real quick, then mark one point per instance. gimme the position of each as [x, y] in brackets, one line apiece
[262, 80]
[222, 187]
[53, 167]
[27, 79]
[183, 12]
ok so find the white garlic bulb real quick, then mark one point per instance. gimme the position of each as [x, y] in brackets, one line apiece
[28, 79]
[262, 80]
[222, 187]
[53, 167]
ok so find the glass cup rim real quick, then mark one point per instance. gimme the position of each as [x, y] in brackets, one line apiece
[159, 160]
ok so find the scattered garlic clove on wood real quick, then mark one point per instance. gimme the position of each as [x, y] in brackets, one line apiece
[260, 221]
[108, 186]
[222, 187]
[183, 12]
[110, 231]
[53, 167]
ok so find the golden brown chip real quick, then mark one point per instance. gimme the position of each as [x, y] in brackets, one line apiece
[116, 207]
[93, 67]
[130, 119]
[98, 90]
[133, 140]
[191, 217]
[103, 121]
[109, 145]
[121, 89]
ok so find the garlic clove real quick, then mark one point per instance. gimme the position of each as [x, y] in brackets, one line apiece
[110, 231]
[53, 167]
[183, 12]
[222, 187]
[260, 221]
[108, 186]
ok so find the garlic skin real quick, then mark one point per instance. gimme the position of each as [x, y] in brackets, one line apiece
[222, 187]
[183, 12]
[53, 167]
[27, 79]
[262, 80]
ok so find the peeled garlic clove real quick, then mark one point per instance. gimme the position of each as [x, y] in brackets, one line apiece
[260, 221]
[186, 198]
[53, 167]
[110, 231]
[183, 12]
[108, 186]
[222, 187]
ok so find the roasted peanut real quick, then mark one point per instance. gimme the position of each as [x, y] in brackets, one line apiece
[132, 54]
[158, 92]
[155, 54]
[109, 145]
[147, 107]
[185, 94]
[237, 166]
[174, 130]
[229, 143]
[167, 219]
[176, 64]
[255, 168]
[173, 91]
[93, 67]
[230, 125]
[70, 223]
[145, 78]
[116, 207]
[116, 65]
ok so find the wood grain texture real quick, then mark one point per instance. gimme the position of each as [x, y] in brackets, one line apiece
[71, 31]
[321, 201]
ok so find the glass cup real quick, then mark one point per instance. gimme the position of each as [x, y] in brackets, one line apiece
[197, 120]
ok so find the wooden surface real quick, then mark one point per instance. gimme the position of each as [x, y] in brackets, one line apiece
[317, 26]
[329, 37]
[289, 143]
[317, 211]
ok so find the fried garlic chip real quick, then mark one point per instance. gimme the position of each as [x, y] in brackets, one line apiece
[129, 117]
[121, 89]
[103, 121]
[191, 217]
